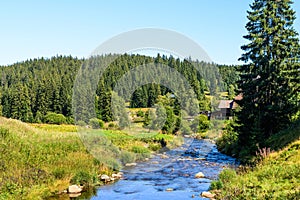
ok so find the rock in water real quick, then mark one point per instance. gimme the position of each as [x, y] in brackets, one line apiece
[130, 164]
[207, 195]
[74, 189]
[199, 175]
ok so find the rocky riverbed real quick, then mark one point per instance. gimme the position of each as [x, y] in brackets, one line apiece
[181, 173]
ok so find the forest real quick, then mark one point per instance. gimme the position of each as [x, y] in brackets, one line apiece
[34, 90]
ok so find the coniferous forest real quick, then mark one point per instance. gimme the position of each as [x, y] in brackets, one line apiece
[33, 89]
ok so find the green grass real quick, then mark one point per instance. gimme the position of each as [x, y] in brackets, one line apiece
[276, 175]
[38, 160]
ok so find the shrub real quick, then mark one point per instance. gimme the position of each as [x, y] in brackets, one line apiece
[4, 132]
[96, 123]
[227, 175]
[82, 178]
[81, 123]
[200, 124]
[112, 125]
[141, 152]
[140, 113]
[227, 143]
[53, 118]
[127, 157]
[216, 185]
[154, 147]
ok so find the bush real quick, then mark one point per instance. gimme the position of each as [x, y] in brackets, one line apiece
[112, 125]
[200, 124]
[140, 113]
[82, 178]
[96, 123]
[53, 118]
[81, 123]
[227, 143]
[216, 185]
[227, 175]
[154, 147]
[141, 152]
[127, 157]
[4, 133]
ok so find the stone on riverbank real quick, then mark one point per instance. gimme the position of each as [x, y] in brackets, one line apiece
[130, 164]
[207, 195]
[74, 189]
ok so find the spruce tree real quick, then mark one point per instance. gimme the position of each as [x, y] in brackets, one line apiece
[270, 77]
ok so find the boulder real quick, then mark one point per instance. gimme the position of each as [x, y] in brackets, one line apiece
[117, 176]
[164, 156]
[73, 195]
[207, 195]
[105, 177]
[199, 175]
[74, 189]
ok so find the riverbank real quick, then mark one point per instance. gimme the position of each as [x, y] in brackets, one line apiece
[275, 176]
[38, 161]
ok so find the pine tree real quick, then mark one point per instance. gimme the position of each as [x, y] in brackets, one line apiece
[270, 77]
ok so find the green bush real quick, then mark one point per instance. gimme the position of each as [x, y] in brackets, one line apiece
[154, 147]
[227, 175]
[140, 113]
[4, 132]
[227, 143]
[111, 125]
[82, 178]
[53, 118]
[127, 157]
[81, 123]
[141, 152]
[96, 123]
[216, 185]
[139, 149]
[200, 124]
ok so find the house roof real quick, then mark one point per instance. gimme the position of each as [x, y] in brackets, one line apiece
[224, 104]
[227, 104]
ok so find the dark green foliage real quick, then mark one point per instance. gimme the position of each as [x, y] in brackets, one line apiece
[31, 89]
[53, 118]
[140, 113]
[270, 78]
[200, 124]
[96, 123]
[227, 143]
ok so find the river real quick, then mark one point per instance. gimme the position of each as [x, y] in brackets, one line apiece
[170, 175]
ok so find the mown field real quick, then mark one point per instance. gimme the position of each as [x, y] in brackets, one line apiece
[39, 160]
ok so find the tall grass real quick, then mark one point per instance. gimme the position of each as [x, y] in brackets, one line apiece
[276, 175]
[38, 160]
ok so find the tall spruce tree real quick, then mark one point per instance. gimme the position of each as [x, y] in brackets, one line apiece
[270, 76]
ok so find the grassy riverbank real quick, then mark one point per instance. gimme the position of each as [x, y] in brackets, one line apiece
[275, 176]
[38, 160]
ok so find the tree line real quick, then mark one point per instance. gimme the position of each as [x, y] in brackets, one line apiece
[33, 90]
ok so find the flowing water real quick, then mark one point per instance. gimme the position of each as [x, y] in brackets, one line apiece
[173, 170]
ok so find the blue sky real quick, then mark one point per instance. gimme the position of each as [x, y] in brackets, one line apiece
[31, 29]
